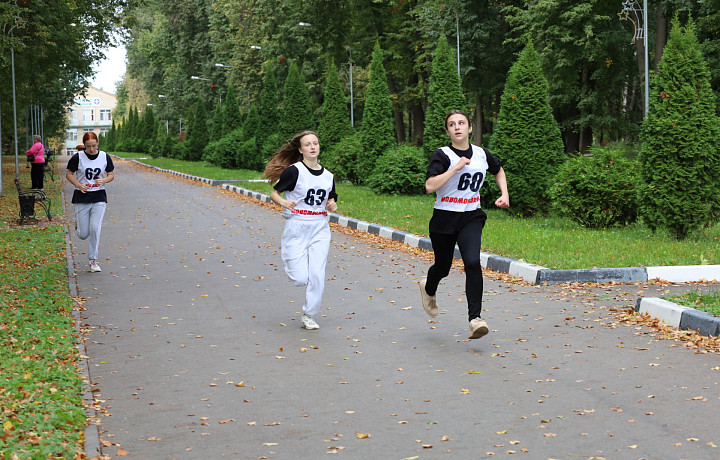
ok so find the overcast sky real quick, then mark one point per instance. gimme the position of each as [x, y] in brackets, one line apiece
[110, 71]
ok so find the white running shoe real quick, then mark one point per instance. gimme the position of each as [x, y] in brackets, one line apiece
[477, 328]
[94, 267]
[429, 302]
[309, 323]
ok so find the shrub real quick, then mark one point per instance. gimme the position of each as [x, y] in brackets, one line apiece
[179, 150]
[211, 152]
[598, 191]
[270, 145]
[248, 155]
[399, 171]
[341, 159]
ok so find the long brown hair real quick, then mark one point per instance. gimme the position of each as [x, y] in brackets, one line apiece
[287, 155]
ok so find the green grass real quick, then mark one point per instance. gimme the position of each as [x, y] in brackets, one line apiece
[43, 414]
[709, 303]
[553, 242]
[193, 168]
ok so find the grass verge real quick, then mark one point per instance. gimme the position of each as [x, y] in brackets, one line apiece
[43, 413]
[553, 242]
[709, 303]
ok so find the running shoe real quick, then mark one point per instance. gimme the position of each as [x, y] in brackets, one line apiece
[477, 329]
[429, 302]
[94, 267]
[309, 323]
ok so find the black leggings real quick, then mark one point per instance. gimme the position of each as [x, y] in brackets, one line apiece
[469, 240]
[37, 174]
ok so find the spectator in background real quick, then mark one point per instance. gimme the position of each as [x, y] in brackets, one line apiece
[36, 157]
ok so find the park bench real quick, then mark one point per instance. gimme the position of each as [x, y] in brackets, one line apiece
[50, 163]
[28, 200]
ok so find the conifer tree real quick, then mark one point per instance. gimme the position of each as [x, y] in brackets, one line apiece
[250, 153]
[157, 149]
[527, 138]
[148, 130]
[216, 130]
[444, 94]
[296, 114]
[269, 109]
[198, 136]
[378, 125]
[335, 121]
[680, 174]
[232, 118]
[111, 136]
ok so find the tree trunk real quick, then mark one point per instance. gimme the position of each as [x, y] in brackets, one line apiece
[418, 122]
[477, 134]
[397, 113]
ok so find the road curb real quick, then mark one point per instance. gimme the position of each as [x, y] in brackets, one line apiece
[679, 316]
[530, 273]
[91, 445]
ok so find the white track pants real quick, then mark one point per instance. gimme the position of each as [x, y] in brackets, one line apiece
[88, 218]
[305, 246]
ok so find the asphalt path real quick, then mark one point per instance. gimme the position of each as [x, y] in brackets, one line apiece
[195, 349]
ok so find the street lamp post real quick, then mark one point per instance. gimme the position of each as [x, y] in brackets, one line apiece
[222, 66]
[193, 77]
[630, 6]
[167, 127]
[457, 35]
[352, 108]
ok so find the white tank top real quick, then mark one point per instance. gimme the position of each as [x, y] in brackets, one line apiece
[311, 194]
[462, 192]
[89, 170]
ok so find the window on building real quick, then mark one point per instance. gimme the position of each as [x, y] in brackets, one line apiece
[104, 131]
[88, 115]
[87, 130]
[72, 116]
[105, 115]
[71, 135]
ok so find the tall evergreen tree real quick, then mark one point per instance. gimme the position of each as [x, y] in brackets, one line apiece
[444, 94]
[232, 117]
[251, 154]
[269, 106]
[133, 125]
[335, 121]
[216, 130]
[296, 114]
[680, 189]
[111, 137]
[527, 137]
[148, 128]
[198, 135]
[378, 129]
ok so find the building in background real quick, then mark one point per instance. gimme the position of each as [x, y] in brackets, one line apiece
[91, 112]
